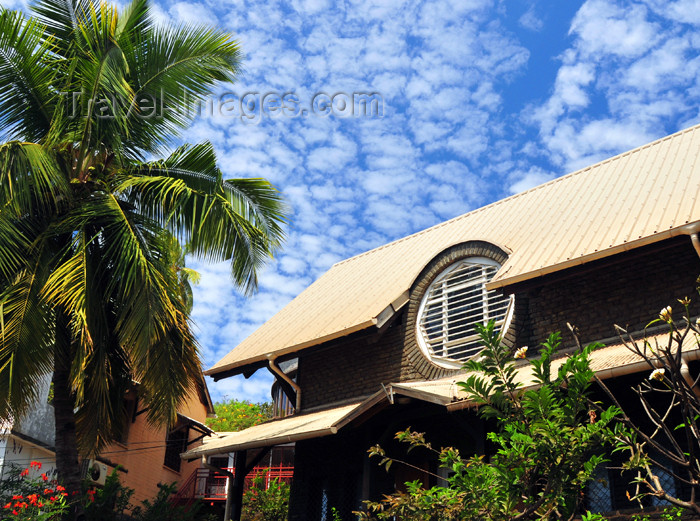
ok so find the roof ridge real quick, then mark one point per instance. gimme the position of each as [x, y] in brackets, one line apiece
[521, 194]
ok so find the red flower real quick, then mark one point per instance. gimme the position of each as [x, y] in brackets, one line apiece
[9, 505]
[14, 512]
[17, 497]
[44, 477]
[24, 472]
[59, 488]
[35, 464]
[48, 491]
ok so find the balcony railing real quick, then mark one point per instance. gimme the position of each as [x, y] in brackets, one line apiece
[209, 485]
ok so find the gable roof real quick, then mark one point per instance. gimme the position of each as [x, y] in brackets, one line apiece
[637, 198]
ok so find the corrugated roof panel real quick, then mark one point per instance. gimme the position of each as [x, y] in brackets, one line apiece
[285, 430]
[604, 362]
[633, 199]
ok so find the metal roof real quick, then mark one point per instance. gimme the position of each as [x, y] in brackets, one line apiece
[292, 428]
[612, 360]
[631, 200]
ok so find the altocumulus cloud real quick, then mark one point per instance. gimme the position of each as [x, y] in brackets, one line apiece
[481, 99]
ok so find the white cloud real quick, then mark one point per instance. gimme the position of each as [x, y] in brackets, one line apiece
[530, 179]
[531, 21]
[450, 139]
[604, 27]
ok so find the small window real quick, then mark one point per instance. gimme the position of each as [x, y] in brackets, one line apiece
[129, 412]
[175, 444]
[455, 302]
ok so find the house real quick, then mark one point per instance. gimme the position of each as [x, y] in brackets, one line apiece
[146, 455]
[378, 340]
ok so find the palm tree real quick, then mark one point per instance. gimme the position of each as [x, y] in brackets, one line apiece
[89, 284]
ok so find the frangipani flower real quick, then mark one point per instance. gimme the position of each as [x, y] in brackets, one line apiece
[521, 353]
[665, 314]
[657, 374]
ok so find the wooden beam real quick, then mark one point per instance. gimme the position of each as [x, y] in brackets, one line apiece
[234, 496]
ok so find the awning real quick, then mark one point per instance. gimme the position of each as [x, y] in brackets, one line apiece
[285, 430]
[198, 426]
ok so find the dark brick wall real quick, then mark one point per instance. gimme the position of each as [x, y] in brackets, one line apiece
[628, 289]
[354, 366]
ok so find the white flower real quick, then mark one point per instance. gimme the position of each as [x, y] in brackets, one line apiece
[521, 353]
[657, 374]
[665, 314]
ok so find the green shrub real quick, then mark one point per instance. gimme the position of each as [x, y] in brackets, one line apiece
[261, 504]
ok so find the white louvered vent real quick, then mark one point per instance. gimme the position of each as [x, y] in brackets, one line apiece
[455, 302]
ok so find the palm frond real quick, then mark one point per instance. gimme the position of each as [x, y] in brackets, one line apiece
[14, 238]
[26, 75]
[26, 336]
[30, 179]
[238, 220]
[173, 70]
[62, 18]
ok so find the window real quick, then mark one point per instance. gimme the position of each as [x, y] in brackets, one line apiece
[129, 411]
[175, 444]
[455, 302]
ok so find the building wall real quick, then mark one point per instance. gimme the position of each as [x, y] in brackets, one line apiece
[35, 423]
[353, 367]
[143, 454]
[628, 289]
[18, 453]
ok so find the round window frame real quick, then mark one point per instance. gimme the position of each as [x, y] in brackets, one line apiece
[444, 362]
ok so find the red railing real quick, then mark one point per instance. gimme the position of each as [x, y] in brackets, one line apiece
[208, 485]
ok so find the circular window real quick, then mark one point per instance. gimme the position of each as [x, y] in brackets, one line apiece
[453, 304]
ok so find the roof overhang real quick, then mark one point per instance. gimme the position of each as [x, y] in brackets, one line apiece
[291, 429]
[310, 425]
[249, 365]
[196, 425]
[613, 360]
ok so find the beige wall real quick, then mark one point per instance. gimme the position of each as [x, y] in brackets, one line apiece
[142, 455]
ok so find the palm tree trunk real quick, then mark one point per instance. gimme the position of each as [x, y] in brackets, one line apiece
[66, 441]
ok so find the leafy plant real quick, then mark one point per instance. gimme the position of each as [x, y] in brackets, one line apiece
[548, 443]
[236, 415]
[27, 498]
[261, 503]
[108, 503]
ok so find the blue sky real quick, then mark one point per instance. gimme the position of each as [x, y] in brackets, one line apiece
[482, 99]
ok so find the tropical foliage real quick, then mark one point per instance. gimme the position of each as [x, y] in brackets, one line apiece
[546, 447]
[667, 441]
[26, 495]
[91, 285]
[266, 503]
[26, 498]
[236, 415]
